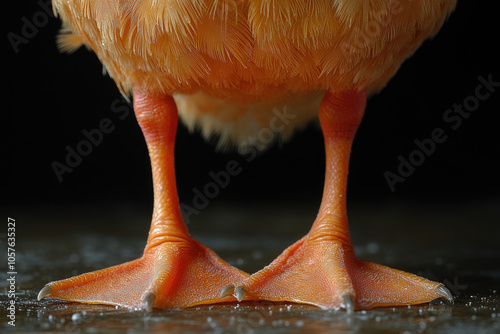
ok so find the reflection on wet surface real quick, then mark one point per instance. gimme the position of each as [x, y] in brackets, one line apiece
[264, 318]
[455, 245]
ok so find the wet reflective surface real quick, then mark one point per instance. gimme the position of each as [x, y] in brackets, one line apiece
[456, 244]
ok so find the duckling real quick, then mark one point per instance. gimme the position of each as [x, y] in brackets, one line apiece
[225, 67]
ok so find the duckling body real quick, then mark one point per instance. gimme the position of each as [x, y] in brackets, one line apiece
[230, 63]
[224, 66]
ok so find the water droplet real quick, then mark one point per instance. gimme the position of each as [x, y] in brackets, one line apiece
[372, 248]
[256, 255]
[76, 317]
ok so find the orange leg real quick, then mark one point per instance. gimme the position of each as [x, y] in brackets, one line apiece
[321, 269]
[175, 271]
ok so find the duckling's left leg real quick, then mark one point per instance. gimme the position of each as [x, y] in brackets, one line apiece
[175, 270]
[321, 269]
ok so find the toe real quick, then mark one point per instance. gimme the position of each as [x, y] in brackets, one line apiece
[149, 301]
[227, 291]
[45, 292]
[444, 292]
[349, 303]
[240, 292]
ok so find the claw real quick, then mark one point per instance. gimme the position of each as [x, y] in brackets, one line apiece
[240, 292]
[47, 290]
[445, 293]
[149, 301]
[227, 291]
[349, 304]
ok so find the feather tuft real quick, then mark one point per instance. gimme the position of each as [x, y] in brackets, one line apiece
[67, 41]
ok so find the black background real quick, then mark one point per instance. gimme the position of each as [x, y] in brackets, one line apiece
[49, 98]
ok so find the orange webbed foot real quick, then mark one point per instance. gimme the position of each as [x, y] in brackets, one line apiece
[321, 269]
[174, 274]
[327, 274]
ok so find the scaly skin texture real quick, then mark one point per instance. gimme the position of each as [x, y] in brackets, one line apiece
[321, 269]
[175, 270]
[228, 64]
